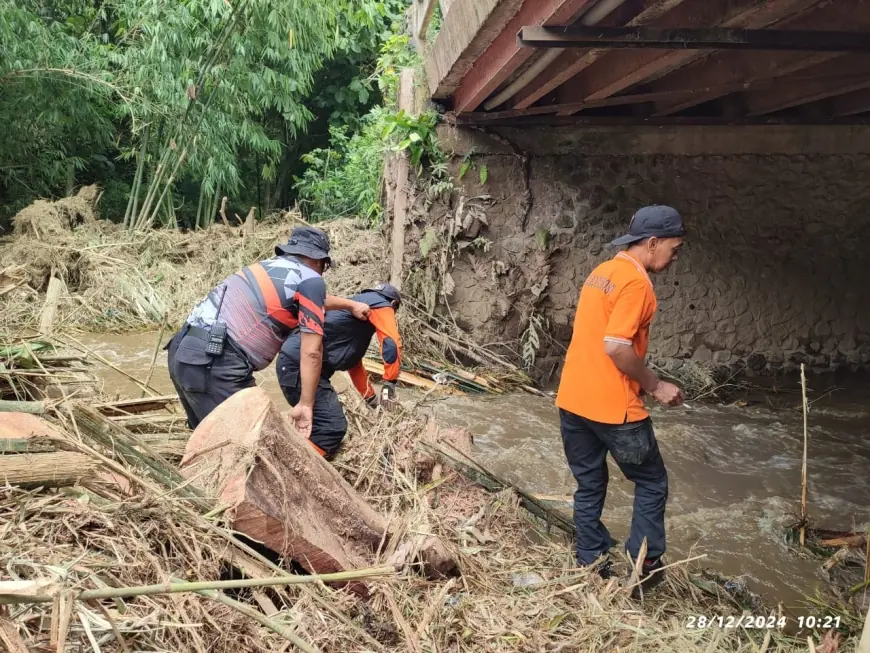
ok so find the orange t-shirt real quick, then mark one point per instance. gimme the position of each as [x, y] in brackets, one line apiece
[617, 304]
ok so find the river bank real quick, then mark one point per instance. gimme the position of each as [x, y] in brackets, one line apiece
[518, 589]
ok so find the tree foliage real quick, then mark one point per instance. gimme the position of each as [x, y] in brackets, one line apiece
[191, 98]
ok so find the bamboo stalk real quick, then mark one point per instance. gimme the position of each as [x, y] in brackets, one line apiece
[803, 531]
[150, 220]
[156, 352]
[54, 469]
[133, 202]
[284, 631]
[199, 205]
[864, 644]
[29, 407]
[867, 558]
[135, 451]
[139, 220]
[181, 586]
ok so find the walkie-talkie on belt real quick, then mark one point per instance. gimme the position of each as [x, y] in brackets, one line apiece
[217, 335]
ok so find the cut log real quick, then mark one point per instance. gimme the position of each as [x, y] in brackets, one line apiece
[56, 469]
[25, 426]
[281, 492]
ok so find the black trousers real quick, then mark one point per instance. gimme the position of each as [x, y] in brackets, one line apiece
[329, 424]
[203, 382]
[634, 447]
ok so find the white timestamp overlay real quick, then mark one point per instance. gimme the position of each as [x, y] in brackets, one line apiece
[759, 622]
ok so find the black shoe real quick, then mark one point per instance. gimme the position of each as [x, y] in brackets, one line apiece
[603, 569]
[650, 577]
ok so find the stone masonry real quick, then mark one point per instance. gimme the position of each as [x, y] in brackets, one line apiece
[773, 273]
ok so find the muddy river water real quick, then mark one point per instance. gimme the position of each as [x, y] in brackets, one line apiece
[734, 470]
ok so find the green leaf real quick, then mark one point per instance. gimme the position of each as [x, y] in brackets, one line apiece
[463, 169]
[430, 237]
[484, 175]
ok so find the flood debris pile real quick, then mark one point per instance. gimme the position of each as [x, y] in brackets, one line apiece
[117, 280]
[418, 557]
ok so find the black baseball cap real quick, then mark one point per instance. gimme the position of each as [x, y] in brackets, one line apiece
[656, 221]
[387, 291]
[306, 241]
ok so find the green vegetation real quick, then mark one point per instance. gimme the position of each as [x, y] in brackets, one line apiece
[169, 106]
[346, 178]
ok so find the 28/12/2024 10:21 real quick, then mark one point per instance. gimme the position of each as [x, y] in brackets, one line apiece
[749, 621]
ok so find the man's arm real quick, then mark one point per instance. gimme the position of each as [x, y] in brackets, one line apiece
[359, 309]
[630, 364]
[310, 296]
[387, 332]
[622, 327]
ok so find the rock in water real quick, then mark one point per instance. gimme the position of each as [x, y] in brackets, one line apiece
[281, 492]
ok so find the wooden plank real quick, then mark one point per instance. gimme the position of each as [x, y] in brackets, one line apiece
[624, 68]
[693, 38]
[597, 84]
[505, 55]
[376, 367]
[746, 67]
[465, 35]
[572, 62]
[836, 77]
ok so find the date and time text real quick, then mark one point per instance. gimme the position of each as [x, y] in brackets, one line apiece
[759, 622]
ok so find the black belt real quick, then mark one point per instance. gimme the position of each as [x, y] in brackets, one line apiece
[196, 332]
[205, 334]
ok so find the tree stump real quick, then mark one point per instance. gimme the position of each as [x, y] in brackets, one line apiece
[280, 491]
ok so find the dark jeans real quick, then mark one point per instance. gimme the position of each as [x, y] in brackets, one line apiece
[634, 448]
[328, 425]
[203, 382]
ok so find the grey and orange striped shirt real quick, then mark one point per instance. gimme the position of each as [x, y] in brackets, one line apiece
[263, 304]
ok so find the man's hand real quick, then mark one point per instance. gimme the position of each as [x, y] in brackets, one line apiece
[667, 394]
[303, 415]
[361, 311]
[388, 396]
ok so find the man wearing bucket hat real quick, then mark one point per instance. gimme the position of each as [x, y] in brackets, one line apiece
[241, 324]
[600, 392]
[346, 342]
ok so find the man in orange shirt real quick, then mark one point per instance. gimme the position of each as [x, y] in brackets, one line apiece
[600, 391]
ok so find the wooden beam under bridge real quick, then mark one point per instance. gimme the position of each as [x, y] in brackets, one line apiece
[717, 38]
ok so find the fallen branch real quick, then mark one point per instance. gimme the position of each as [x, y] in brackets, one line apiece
[180, 586]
